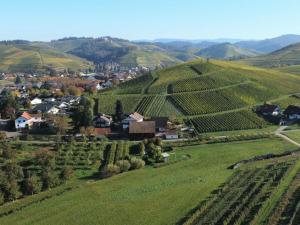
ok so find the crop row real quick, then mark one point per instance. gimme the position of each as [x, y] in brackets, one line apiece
[238, 202]
[107, 103]
[197, 103]
[134, 86]
[240, 120]
[215, 80]
[114, 152]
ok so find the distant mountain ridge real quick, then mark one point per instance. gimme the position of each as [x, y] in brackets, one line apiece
[287, 56]
[270, 45]
[80, 52]
[226, 51]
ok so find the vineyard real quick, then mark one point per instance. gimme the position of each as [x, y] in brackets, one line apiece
[239, 201]
[240, 120]
[215, 80]
[197, 103]
[284, 103]
[199, 88]
[134, 86]
[107, 103]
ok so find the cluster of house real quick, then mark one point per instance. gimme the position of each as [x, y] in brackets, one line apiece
[291, 113]
[53, 105]
[136, 127]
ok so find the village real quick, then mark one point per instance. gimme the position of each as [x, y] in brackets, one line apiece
[46, 107]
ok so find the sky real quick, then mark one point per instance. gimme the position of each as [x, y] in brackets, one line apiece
[44, 20]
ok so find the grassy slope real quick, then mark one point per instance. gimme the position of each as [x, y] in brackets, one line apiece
[149, 196]
[284, 57]
[290, 69]
[14, 58]
[294, 135]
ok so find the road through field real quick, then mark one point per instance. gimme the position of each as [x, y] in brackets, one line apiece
[278, 133]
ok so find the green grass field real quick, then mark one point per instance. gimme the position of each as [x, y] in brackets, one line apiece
[294, 135]
[20, 58]
[150, 196]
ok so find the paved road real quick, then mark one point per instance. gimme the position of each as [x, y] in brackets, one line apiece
[279, 133]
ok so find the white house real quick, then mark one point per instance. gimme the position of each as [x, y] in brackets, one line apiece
[134, 117]
[26, 120]
[36, 101]
[171, 136]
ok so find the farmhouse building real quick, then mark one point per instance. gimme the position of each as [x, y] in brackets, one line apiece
[292, 112]
[102, 121]
[141, 130]
[161, 123]
[268, 110]
[134, 117]
[26, 121]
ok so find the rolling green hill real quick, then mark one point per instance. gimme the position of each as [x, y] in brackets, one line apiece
[217, 94]
[107, 49]
[287, 56]
[226, 51]
[37, 57]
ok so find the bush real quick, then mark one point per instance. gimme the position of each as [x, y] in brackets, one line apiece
[124, 165]
[136, 163]
[109, 170]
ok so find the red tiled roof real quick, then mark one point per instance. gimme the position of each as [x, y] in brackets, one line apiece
[26, 115]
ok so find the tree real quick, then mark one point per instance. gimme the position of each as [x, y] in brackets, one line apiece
[18, 80]
[11, 190]
[84, 114]
[74, 91]
[136, 163]
[32, 185]
[2, 198]
[13, 171]
[119, 114]
[8, 105]
[62, 124]
[124, 165]
[49, 180]
[141, 149]
[66, 173]
[8, 153]
[45, 159]
[2, 135]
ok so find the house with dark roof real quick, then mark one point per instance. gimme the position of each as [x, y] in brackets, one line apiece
[46, 108]
[161, 123]
[268, 110]
[102, 121]
[141, 130]
[292, 112]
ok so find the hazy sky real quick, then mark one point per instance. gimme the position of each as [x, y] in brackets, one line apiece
[148, 19]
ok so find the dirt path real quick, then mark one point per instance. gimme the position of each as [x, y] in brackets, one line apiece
[278, 133]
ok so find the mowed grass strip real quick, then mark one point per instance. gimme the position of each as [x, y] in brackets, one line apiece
[149, 196]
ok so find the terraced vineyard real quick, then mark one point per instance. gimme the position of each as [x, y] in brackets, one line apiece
[199, 88]
[240, 200]
[215, 80]
[107, 103]
[241, 120]
[134, 86]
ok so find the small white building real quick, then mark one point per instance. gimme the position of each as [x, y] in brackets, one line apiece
[36, 101]
[171, 136]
